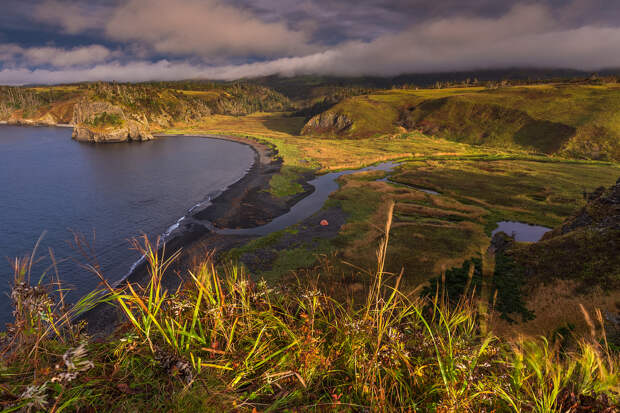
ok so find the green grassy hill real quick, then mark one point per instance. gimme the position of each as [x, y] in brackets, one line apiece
[580, 121]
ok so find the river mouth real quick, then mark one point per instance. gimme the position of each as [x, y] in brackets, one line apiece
[324, 186]
[521, 231]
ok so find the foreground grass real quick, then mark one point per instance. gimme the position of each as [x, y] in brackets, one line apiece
[225, 342]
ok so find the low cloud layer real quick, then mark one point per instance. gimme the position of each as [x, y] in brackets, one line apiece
[12, 54]
[207, 39]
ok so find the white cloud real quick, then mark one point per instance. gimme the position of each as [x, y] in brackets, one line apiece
[73, 17]
[67, 57]
[206, 28]
[54, 56]
[527, 36]
[122, 72]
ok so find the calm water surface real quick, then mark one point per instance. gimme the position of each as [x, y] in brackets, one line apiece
[521, 231]
[107, 192]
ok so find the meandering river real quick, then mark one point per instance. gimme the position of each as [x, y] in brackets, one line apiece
[107, 192]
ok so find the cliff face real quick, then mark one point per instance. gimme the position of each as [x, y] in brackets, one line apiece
[575, 264]
[130, 131]
[326, 123]
[101, 122]
[601, 214]
[111, 112]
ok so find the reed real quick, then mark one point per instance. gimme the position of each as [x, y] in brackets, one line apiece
[224, 341]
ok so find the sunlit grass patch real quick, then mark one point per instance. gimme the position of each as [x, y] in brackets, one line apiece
[540, 192]
[286, 183]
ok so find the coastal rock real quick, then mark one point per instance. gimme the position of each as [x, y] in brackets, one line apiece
[129, 131]
[327, 122]
[102, 122]
[86, 111]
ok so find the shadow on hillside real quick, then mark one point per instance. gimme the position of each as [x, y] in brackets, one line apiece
[544, 135]
[291, 125]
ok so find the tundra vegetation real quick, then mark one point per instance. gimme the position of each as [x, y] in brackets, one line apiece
[429, 321]
[225, 341]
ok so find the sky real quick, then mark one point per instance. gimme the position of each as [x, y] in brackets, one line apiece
[64, 41]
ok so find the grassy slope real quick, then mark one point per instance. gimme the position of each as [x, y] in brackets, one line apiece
[488, 184]
[226, 343]
[296, 347]
[576, 120]
[479, 186]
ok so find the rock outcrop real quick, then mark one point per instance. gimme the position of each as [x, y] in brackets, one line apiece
[91, 120]
[584, 248]
[602, 213]
[327, 122]
[129, 131]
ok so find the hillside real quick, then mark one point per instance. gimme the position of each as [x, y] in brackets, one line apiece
[575, 264]
[579, 121]
[315, 316]
[116, 112]
[224, 342]
[587, 243]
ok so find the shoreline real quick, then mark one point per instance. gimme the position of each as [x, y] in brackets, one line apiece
[35, 124]
[244, 204]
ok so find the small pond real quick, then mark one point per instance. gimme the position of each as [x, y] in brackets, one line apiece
[521, 231]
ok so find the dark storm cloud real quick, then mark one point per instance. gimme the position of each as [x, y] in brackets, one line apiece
[166, 39]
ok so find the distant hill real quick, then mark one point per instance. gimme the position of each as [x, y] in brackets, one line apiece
[118, 112]
[575, 120]
[302, 87]
[577, 117]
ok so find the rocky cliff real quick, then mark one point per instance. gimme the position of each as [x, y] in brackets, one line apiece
[601, 213]
[112, 112]
[326, 123]
[102, 122]
[576, 264]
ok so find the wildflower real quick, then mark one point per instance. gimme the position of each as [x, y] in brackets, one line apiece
[75, 362]
[36, 397]
[179, 306]
[394, 334]
[75, 359]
